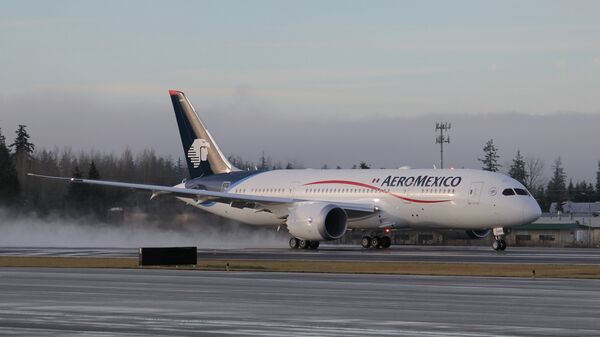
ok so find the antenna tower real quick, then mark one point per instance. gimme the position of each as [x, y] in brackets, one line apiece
[442, 138]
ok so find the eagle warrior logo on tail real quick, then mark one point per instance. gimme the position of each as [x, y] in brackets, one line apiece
[198, 152]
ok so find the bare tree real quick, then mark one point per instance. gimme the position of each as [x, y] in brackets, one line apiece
[535, 169]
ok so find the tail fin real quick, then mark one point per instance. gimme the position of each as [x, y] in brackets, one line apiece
[202, 154]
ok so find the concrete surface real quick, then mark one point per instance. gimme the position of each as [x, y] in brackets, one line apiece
[105, 302]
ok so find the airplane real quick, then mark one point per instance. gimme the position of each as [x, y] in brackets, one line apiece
[323, 205]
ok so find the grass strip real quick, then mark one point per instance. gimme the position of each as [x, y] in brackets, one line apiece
[351, 267]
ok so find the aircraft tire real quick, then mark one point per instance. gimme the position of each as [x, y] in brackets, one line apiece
[365, 242]
[502, 244]
[375, 242]
[303, 244]
[314, 244]
[386, 242]
[293, 243]
[496, 245]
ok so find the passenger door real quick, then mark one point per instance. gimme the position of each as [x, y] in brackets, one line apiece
[475, 193]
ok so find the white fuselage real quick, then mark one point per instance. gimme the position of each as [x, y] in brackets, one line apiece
[404, 198]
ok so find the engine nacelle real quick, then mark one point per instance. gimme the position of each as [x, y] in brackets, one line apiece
[478, 233]
[317, 221]
[473, 234]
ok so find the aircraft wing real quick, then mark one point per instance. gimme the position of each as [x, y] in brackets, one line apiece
[204, 195]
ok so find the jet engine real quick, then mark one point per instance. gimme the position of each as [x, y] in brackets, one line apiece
[474, 234]
[317, 221]
[478, 233]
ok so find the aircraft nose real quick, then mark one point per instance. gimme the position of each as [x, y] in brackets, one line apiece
[532, 211]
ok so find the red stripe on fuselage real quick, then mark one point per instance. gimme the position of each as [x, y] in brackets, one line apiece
[348, 182]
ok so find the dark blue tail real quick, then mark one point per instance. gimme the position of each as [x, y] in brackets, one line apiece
[202, 154]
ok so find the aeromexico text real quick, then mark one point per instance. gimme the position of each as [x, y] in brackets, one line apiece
[421, 181]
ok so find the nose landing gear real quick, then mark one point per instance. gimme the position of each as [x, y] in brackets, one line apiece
[499, 243]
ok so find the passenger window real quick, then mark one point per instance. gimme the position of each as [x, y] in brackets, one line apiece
[521, 191]
[508, 191]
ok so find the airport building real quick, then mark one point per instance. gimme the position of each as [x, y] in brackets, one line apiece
[546, 232]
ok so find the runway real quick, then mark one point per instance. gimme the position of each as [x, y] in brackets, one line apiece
[108, 302]
[464, 254]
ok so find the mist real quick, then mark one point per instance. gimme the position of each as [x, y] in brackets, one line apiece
[34, 231]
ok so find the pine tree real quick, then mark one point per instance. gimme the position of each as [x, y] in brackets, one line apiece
[571, 190]
[9, 182]
[93, 172]
[557, 186]
[364, 166]
[490, 159]
[265, 162]
[22, 143]
[23, 151]
[517, 169]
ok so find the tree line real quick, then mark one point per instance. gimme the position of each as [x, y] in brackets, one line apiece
[25, 193]
[529, 172]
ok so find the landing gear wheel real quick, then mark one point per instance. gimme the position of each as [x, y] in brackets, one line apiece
[375, 242]
[499, 243]
[294, 243]
[303, 244]
[386, 242]
[314, 244]
[365, 242]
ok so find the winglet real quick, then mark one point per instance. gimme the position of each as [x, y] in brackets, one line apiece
[174, 92]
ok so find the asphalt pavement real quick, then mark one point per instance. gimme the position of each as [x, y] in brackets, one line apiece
[133, 302]
[450, 254]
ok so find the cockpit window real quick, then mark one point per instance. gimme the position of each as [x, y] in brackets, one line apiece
[521, 191]
[508, 191]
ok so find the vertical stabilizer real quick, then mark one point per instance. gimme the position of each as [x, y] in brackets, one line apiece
[202, 153]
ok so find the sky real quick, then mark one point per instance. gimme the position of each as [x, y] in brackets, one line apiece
[316, 82]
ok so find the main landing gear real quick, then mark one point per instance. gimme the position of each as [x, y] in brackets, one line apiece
[499, 243]
[376, 242]
[303, 244]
